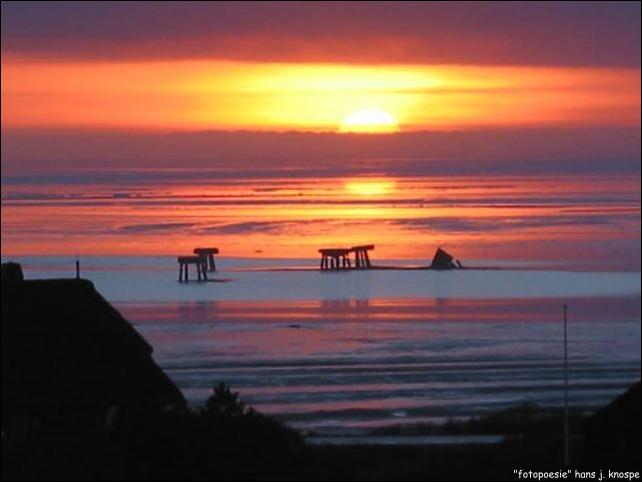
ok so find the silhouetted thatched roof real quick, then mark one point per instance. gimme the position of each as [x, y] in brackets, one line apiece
[68, 355]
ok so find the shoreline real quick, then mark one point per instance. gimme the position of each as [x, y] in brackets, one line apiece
[226, 263]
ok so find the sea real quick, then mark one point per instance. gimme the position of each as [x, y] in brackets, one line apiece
[343, 353]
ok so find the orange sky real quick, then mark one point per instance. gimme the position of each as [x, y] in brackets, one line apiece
[220, 97]
[197, 95]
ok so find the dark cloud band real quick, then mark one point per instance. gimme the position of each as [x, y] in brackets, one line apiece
[484, 33]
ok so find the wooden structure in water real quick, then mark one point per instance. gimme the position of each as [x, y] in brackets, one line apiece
[183, 267]
[335, 258]
[208, 257]
[442, 260]
[339, 258]
[361, 258]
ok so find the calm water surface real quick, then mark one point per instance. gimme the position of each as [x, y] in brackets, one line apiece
[344, 352]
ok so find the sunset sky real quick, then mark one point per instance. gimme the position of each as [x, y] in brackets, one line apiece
[316, 67]
[292, 90]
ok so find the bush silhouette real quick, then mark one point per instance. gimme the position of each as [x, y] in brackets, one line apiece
[225, 403]
[224, 437]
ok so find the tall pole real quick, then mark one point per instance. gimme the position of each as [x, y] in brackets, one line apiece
[566, 448]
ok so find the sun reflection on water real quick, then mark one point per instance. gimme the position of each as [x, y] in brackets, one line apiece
[370, 187]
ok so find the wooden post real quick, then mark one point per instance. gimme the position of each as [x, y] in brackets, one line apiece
[334, 258]
[208, 257]
[567, 461]
[361, 257]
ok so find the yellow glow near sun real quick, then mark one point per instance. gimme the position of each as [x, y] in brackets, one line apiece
[369, 120]
[370, 188]
[315, 97]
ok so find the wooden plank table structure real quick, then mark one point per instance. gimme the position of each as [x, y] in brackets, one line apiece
[361, 258]
[208, 255]
[339, 258]
[335, 258]
[183, 267]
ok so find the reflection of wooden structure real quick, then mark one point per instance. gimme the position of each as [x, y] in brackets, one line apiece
[339, 258]
[335, 258]
[208, 256]
[183, 266]
[361, 258]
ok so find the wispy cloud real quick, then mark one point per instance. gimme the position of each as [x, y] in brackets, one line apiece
[153, 228]
[497, 223]
[296, 155]
[305, 227]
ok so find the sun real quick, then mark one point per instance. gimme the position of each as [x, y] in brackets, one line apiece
[369, 121]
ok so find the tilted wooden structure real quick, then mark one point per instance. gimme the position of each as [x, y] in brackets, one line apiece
[442, 260]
